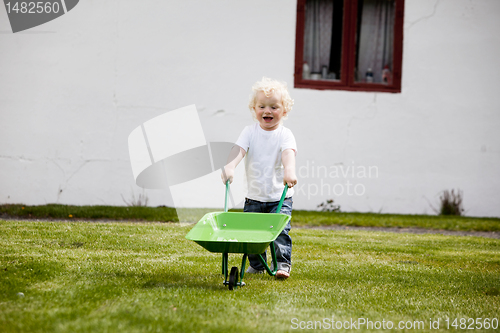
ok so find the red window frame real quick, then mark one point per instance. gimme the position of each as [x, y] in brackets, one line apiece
[348, 57]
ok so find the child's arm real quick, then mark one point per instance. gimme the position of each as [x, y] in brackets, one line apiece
[235, 156]
[288, 160]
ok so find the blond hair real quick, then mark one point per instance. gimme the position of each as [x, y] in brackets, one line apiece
[269, 87]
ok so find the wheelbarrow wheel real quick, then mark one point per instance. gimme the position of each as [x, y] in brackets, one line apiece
[233, 277]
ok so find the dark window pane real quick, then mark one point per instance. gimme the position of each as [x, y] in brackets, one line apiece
[336, 49]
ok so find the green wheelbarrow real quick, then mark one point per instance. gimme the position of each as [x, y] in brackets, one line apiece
[247, 233]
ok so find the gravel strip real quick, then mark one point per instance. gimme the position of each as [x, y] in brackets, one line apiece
[487, 234]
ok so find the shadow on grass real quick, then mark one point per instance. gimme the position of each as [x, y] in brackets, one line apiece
[210, 281]
[18, 275]
[182, 280]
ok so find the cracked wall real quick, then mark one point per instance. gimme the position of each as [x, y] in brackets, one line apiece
[73, 89]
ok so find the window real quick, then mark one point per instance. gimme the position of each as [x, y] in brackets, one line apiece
[349, 45]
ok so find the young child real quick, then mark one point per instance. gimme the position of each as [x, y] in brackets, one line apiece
[270, 151]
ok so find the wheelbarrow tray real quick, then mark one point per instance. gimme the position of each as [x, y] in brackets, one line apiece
[233, 232]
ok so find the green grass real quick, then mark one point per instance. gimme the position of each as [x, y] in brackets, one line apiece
[55, 211]
[146, 277]
[462, 223]
[300, 217]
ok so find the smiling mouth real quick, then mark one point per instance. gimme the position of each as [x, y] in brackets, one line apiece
[267, 119]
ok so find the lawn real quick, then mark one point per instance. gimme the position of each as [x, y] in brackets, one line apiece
[146, 277]
[300, 217]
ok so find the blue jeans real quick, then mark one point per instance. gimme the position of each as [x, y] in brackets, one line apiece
[283, 243]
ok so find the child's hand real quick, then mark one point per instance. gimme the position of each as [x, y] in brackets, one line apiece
[290, 178]
[227, 174]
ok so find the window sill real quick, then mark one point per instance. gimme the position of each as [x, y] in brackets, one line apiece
[339, 85]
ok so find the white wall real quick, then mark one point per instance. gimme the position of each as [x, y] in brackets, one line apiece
[72, 90]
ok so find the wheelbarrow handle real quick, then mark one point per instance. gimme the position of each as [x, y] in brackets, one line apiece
[227, 191]
[278, 210]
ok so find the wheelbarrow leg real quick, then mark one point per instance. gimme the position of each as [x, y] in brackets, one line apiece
[242, 273]
[224, 267]
[273, 256]
[275, 261]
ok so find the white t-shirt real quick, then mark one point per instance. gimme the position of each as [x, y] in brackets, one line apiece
[263, 164]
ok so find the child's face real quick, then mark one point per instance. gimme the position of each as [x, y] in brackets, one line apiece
[269, 110]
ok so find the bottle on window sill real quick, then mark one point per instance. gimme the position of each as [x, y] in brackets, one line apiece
[386, 75]
[306, 71]
[324, 72]
[369, 76]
